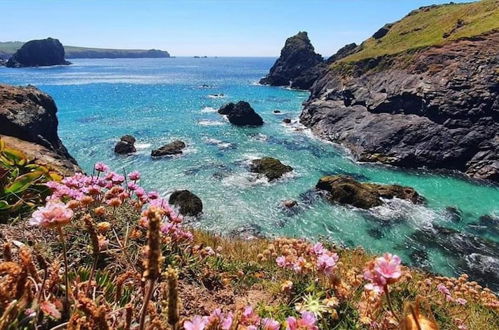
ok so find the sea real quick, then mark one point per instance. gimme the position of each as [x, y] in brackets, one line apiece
[161, 100]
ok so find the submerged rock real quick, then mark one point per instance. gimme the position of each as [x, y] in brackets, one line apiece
[289, 203]
[241, 114]
[126, 145]
[286, 121]
[455, 214]
[345, 190]
[298, 66]
[188, 203]
[45, 52]
[173, 148]
[270, 167]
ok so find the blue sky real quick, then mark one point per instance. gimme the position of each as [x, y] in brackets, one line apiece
[200, 27]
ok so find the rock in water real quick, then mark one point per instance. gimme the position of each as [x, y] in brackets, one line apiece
[270, 167]
[345, 190]
[43, 52]
[241, 114]
[173, 148]
[31, 115]
[298, 66]
[126, 145]
[188, 203]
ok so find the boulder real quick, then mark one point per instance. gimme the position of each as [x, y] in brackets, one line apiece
[383, 31]
[173, 148]
[187, 203]
[289, 203]
[45, 52]
[298, 66]
[125, 146]
[277, 111]
[270, 167]
[31, 115]
[286, 121]
[241, 114]
[346, 190]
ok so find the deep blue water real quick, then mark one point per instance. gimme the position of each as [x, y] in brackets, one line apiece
[158, 100]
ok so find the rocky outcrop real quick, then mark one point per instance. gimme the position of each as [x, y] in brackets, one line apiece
[241, 114]
[298, 66]
[31, 115]
[436, 107]
[45, 52]
[270, 167]
[188, 203]
[345, 190]
[170, 149]
[126, 145]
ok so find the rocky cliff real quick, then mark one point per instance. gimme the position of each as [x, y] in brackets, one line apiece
[45, 52]
[298, 66]
[30, 115]
[434, 106]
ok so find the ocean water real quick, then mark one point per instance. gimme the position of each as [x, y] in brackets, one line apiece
[159, 100]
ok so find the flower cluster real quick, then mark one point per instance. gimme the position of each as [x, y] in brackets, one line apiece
[303, 257]
[53, 214]
[382, 271]
[248, 319]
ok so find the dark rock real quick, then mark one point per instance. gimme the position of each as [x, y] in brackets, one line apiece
[247, 232]
[286, 121]
[31, 115]
[188, 203]
[43, 52]
[419, 259]
[455, 214]
[289, 203]
[345, 190]
[270, 167]
[343, 52]
[298, 66]
[436, 107]
[173, 148]
[375, 233]
[489, 223]
[241, 114]
[126, 145]
[277, 111]
[382, 32]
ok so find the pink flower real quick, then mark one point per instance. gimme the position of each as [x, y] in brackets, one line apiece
[461, 301]
[197, 323]
[134, 176]
[327, 263]
[443, 289]
[54, 214]
[132, 186]
[308, 321]
[318, 249]
[388, 266]
[249, 316]
[153, 195]
[270, 324]
[291, 323]
[281, 261]
[101, 167]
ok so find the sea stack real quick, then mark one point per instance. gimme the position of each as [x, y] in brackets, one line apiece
[44, 52]
[298, 66]
[241, 114]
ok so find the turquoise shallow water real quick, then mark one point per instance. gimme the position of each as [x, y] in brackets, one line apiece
[158, 100]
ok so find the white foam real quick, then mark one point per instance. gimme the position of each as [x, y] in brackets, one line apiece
[217, 96]
[208, 110]
[210, 122]
[141, 146]
[394, 209]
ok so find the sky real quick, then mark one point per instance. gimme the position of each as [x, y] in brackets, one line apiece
[201, 27]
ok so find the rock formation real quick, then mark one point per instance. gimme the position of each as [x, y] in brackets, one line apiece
[270, 167]
[188, 203]
[173, 148]
[126, 145]
[298, 66]
[241, 114]
[28, 114]
[43, 52]
[345, 190]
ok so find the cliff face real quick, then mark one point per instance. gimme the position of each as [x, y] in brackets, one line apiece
[298, 66]
[44, 52]
[28, 114]
[436, 107]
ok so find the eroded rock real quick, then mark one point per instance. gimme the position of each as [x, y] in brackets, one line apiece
[188, 203]
[173, 148]
[270, 167]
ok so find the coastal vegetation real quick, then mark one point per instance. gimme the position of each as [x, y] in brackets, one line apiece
[103, 253]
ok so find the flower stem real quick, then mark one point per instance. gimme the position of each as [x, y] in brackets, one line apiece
[147, 297]
[66, 279]
[389, 300]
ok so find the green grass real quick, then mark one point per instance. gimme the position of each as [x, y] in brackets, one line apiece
[426, 27]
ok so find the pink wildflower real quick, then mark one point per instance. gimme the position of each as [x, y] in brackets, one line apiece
[134, 176]
[281, 261]
[443, 289]
[327, 263]
[461, 301]
[197, 323]
[101, 167]
[388, 266]
[270, 324]
[54, 214]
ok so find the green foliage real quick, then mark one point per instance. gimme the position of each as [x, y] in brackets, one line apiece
[431, 26]
[21, 182]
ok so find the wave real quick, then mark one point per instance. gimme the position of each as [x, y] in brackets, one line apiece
[210, 122]
[217, 96]
[208, 110]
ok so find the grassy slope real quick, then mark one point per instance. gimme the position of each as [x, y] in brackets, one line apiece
[426, 27]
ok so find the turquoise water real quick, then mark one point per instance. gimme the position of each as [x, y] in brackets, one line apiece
[158, 100]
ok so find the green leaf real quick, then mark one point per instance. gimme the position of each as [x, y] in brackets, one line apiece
[4, 206]
[23, 182]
